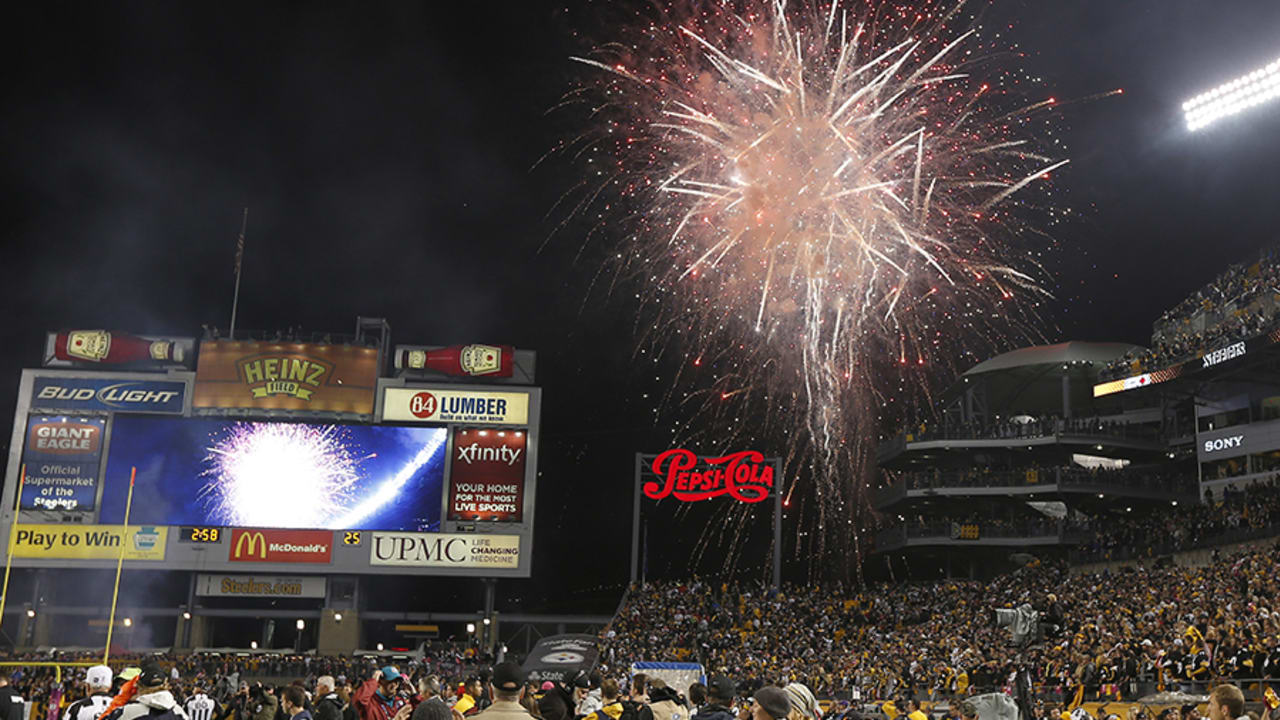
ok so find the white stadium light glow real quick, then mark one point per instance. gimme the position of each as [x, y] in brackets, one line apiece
[1233, 97]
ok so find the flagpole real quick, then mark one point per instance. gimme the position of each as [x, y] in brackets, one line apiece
[235, 299]
[124, 536]
[8, 558]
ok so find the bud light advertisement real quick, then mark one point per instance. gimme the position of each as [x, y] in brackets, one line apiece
[275, 474]
[62, 456]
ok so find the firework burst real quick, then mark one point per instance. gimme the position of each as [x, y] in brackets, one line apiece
[824, 203]
[280, 475]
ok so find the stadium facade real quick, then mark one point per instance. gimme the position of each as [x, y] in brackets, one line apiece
[1032, 453]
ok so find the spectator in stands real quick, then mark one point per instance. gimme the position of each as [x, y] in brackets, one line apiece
[697, 696]
[294, 702]
[592, 700]
[11, 703]
[507, 689]
[771, 703]
[153, 699]
[664, 703]
[378, 698]
[1226, 702]
[328, 706]
[469, 704]
[720, 691]
[803, 703]
[610, 702]
[557, 702]
[431, 706]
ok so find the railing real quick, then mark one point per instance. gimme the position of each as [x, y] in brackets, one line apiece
[896, 537]
[1036, 480]
[1124, 554]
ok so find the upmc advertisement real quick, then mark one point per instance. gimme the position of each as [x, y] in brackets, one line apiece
[274, 474]
[61, 458]
[487, 477]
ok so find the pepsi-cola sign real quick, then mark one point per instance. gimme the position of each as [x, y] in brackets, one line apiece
[744, 476]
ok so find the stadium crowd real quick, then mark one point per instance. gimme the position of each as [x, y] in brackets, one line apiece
[1237, 305]
[1123, 633]
[1026, 426]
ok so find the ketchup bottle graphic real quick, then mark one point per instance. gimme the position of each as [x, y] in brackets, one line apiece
[461, 360]
[112, 348]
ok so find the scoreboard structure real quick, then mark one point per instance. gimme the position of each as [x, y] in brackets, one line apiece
[268, 458]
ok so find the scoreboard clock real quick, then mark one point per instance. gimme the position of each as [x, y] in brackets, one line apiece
[200, 535]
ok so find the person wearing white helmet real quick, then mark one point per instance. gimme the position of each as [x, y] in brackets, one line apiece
[97, 682]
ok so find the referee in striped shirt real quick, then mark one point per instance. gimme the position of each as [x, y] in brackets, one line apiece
[98, 681]
[200, 706]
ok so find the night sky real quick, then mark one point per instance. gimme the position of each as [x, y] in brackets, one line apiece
[387, 154]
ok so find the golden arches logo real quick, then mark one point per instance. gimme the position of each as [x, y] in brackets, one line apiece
[255, 540]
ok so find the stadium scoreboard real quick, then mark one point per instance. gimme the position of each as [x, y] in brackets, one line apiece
[270, 458]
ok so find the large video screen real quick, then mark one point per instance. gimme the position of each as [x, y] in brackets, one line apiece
[275, 474]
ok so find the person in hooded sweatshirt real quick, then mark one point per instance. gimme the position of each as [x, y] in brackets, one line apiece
[665, 703]
[720, 691]
[152, 701]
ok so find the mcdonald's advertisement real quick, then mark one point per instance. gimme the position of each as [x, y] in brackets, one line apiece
[252, 474]
[89, 542]
[286, 376]
[281, 546]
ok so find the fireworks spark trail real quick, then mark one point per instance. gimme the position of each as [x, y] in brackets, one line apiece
[823, 204]
[390, 489]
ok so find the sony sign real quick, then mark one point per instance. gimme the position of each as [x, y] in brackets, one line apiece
[1220, 355]
[1223, 443]
[449, 550]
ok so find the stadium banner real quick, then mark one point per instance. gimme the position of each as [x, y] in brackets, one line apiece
[295, 586]
[463, 550]
[486, 479]
[286, 376]
[89, 542]
[454, 405]
[559, 657]
[280, 546]
[62, 456]
[1217, 357]
[51, 392]
[219, 472]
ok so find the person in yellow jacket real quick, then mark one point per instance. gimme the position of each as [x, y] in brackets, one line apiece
[611, 697]
[916, 712]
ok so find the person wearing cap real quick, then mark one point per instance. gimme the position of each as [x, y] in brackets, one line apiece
[97, 681]
[431, 707]
[506, 688]
[378, 698]
[720, 691]
[771, 703]
[151, 698]
[802, 701]
[557, 701]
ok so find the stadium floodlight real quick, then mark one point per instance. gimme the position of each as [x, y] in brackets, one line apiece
[128, 622]
[379, 647]
[253, 644]
[1233, 97]
[301, 624]
[337, 617]
[471, 627]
